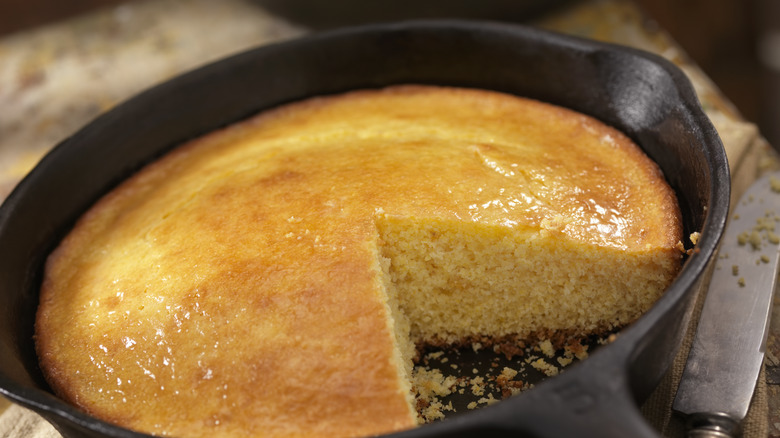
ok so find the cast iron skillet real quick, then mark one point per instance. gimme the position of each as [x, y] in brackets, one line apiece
[640, 94]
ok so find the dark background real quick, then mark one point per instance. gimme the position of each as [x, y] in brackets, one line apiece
[731, 40]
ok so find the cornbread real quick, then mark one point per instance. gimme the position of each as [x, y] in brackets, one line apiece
[272, 278]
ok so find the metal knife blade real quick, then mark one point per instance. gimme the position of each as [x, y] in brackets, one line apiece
[728, 349]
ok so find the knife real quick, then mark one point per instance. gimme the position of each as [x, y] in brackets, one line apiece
[728, 348]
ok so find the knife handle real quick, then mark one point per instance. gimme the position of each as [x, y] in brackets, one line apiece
[711, 425]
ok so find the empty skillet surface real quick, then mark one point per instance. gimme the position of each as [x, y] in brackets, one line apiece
[640, 94]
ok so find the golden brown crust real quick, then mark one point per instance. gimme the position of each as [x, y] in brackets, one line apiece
[229, 287]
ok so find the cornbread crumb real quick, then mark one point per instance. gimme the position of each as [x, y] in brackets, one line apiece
[601, 341]
[546, 368]
[755, 239]
[577, 350]
[765, 224]
[434, 355]
[547, 348]
[429, 385]
[435, 411]
[774, 184]
[431, 382]
[489, 400]
[508, 373]
[478, 386]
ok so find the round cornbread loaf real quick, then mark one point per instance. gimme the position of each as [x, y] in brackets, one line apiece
[273, 277]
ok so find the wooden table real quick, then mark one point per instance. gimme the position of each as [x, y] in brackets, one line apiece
[55, 79]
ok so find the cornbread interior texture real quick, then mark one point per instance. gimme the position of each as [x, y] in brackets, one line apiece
[509, 281]
[273, 277]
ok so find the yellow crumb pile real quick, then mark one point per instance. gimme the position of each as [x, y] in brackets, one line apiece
[437, 382]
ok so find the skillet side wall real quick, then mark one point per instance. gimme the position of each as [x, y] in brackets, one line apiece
[634, 93]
